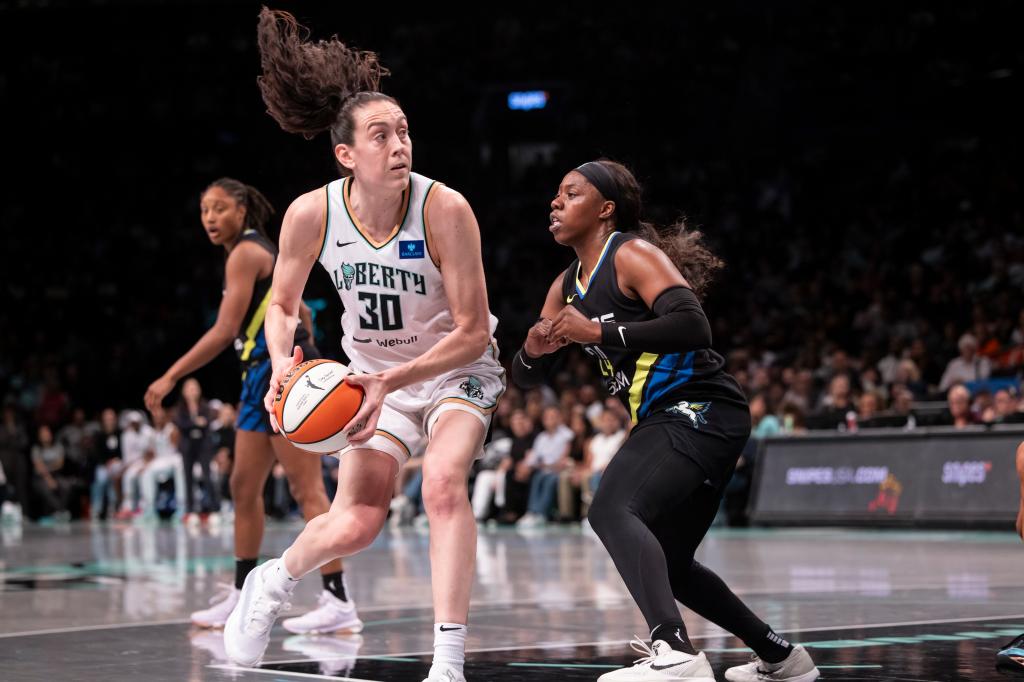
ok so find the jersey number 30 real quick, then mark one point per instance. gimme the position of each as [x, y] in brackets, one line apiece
[382, 312]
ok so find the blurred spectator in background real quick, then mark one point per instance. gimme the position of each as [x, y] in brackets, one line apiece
[959, 405]
[106, 456]
[548, 456]
[137, 440]
[54, 485]
[600, 449]
[14, 449]
[193, 418]
[165, 465]
[517, 470]
[968, 366]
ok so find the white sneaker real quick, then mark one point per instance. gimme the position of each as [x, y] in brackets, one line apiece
[335, 655]
[446, 675]
[531, 520]
[797, 667]
[247, 631]
[10, 513]
[221, 605]
[662, 662]
[332, 615]
[402, 511]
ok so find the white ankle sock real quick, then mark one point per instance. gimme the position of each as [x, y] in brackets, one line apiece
[279, 580]
[449, 647]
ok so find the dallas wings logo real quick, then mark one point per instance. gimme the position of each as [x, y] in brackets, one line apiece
[473, 388]
[694, 411]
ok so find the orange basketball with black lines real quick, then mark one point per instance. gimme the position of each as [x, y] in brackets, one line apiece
[315, 403]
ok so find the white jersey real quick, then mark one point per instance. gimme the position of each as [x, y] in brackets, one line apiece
[395, 304]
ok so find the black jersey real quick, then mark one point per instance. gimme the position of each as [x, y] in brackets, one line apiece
[251, 344]
[646, 383]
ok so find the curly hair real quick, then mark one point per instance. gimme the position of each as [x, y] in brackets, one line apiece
[310, 87]
[684, 246]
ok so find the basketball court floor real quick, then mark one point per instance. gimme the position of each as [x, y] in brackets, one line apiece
[111, 602]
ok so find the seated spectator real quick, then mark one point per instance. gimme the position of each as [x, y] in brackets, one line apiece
[14, 448]
[489, 482]
[834, 405]
[570, 479]
[959, 405]
[868, 406]
[547, 458]
[516, 470]
[1003, 409]
[793, 420]
[52, 483]
[599, 451]
[136, 452]
[763, 423]
[165, 465]
[967, 367]
[106, 456]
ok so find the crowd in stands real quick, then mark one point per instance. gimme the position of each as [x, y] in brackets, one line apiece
[858, 172]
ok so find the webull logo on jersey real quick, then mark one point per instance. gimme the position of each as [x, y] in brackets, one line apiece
[377, 275]
[391, 343]
[695, 411]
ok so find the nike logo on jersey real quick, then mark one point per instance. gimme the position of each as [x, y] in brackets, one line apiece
[340, 243]
[569, 299]
[360, 340]
[622, 335]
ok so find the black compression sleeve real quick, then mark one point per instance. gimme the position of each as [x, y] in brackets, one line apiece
[680, 326]
[530, 372]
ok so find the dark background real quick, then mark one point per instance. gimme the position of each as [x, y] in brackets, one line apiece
[839, 156]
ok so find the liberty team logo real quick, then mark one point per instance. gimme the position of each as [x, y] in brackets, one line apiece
[348, 273]
[694, 411]
[473, 388]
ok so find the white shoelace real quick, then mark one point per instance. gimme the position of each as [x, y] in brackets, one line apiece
[224, 591]
[640, 646]
[263, 613]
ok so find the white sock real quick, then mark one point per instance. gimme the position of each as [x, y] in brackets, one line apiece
[449, 647]
[279, 580]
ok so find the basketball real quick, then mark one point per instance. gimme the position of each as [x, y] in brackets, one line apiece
[315, 403]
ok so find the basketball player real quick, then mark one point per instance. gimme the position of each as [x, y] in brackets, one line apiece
[627, 301]
[234, 216]
[404, 254]
[1011, 656]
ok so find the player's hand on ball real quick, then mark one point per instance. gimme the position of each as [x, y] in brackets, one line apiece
[570, 325]
[156, 393]
[281, 367]
[537, 343]
[364, 424]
